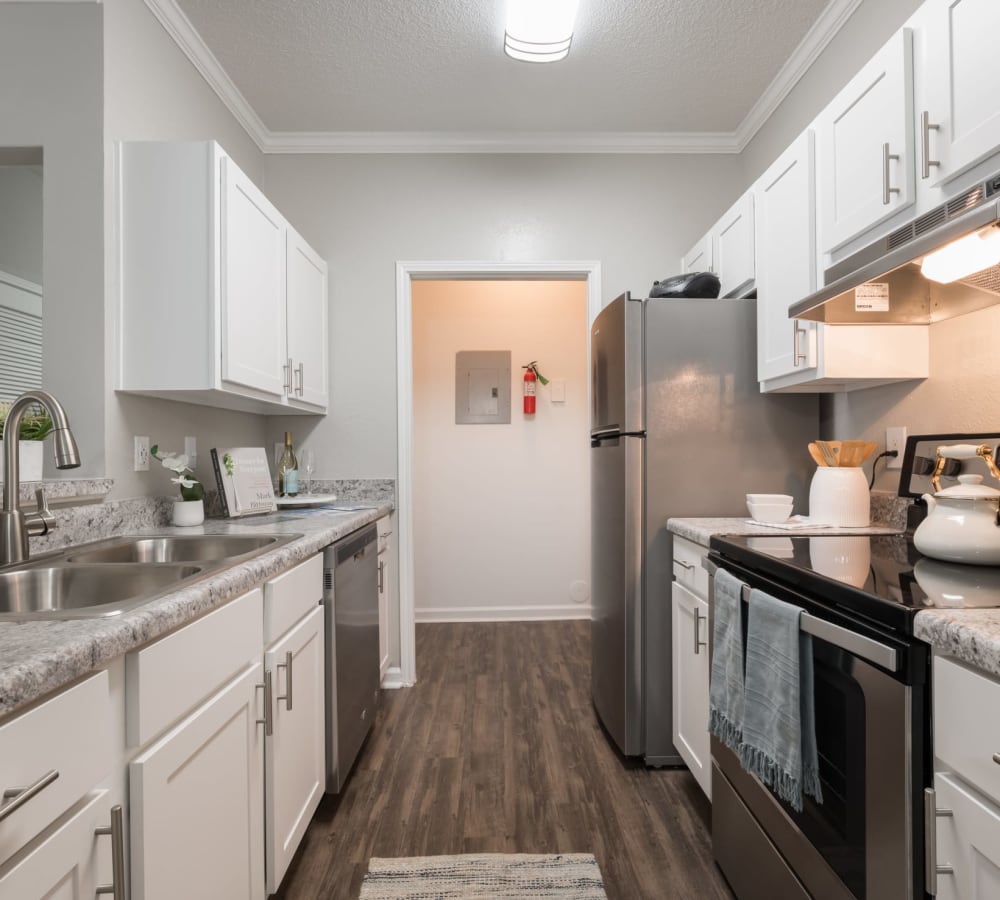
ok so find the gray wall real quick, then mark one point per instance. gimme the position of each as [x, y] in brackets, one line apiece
[21, 238]
[153, 92]
[51, 96]
[636, 214]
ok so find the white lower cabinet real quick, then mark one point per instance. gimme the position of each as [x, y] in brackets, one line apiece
[295, 750]
[966, 781]
[968, 842]
[690, 684]
[386, 547]
[72, 860]
[689, 629]
[197, 801]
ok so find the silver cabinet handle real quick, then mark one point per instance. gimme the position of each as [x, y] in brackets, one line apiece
[887, 189]
[798, 331]
[15, 798]
[996, 758]
[381, 576]
[268, 720]
[697, 632]
[287, 369]
[684, 565]
[287, 666]
[117, 832]
[926, 127]
[300, 374]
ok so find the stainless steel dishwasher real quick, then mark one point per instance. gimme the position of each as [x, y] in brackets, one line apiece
[350, 595]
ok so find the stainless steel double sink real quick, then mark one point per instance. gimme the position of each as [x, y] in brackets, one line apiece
[105, 578]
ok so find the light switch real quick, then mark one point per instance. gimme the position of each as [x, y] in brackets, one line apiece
[557, 391]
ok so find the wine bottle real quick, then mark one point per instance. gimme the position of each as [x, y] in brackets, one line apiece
[288, 470]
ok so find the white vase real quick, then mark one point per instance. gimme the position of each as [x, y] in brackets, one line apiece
[839, 496]
[30, 455]
[188, 512]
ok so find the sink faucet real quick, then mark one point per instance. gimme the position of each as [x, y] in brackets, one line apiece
[15, 524]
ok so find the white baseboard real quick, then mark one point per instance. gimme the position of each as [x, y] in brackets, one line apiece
[501, 613]
[393, 679]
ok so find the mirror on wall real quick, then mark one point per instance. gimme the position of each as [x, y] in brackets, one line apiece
[21, 178]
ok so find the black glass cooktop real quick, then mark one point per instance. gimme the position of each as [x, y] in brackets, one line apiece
[882, 576]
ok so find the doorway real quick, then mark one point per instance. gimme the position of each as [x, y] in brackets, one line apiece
[406, 274]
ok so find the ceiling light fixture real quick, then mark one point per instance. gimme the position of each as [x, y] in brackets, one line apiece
[960, 258]
[539, 30]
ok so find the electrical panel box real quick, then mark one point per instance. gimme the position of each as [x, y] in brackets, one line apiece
[482, 387]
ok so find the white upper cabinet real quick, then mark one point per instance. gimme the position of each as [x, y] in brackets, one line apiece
[785, 228]
[957, 107]
[307, 324]
[865, 147]
[699, 257]
[220, 301]
[253, 285]
[733, 247]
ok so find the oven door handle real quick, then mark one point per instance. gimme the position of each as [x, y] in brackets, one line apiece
[856, 644]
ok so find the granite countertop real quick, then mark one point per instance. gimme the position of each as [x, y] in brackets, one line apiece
[700, 530]
[970, 635]
[39, 657]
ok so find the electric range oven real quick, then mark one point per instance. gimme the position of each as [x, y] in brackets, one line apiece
[867, 839]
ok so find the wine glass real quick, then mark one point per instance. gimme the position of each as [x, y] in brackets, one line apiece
[308, 463]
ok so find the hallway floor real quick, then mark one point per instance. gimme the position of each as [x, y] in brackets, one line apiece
[497, 749]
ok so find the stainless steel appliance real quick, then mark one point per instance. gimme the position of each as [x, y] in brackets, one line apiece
[350, 595]
[678, 428]
[869, 839]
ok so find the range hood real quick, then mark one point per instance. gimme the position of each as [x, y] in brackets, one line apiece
[889, 270]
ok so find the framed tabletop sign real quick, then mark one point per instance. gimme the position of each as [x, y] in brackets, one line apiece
[244, 480]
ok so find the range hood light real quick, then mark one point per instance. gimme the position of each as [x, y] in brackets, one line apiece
[539, 30]
[961, 258]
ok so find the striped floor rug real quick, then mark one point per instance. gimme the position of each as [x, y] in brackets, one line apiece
[485, 876]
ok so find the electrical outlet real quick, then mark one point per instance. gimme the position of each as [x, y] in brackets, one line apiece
[895, 439]
[140, 457]
[191, 451]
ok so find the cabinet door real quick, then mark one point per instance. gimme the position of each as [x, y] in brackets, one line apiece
[295, 754]
[968, 841]
[307, 323]
[866, 171]
[957, 70]
[253, 286]
[785, 227]
[197, 802]
[70, 863]
[699, 257]
[691, 671]
[733, 247]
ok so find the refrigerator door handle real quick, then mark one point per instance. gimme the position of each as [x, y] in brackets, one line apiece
[602, 433]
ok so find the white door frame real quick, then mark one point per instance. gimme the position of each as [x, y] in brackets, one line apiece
[589, 270]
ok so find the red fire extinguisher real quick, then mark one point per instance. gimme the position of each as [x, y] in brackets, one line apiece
[531, 376]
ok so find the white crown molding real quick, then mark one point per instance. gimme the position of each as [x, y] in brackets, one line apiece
[824, 29]
[499, 142]
[179, 27]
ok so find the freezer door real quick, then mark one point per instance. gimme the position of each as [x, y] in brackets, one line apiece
[616, 554]
[616, 368]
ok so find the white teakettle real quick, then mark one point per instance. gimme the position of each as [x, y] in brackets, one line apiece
[962, 524]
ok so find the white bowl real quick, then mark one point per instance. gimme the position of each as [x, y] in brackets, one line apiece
[770, 512]
[770, 498]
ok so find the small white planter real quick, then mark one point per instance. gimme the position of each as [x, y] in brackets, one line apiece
[30, 454]
[188, 512]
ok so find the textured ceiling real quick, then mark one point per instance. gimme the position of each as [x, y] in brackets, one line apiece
[438, 65]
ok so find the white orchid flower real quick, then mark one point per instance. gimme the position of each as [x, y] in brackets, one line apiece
[184, 481]
[176, 463]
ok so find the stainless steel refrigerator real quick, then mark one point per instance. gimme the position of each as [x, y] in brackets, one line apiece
[678, 428]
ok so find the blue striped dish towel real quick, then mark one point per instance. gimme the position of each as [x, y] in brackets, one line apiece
[779, 720]
[726, 680]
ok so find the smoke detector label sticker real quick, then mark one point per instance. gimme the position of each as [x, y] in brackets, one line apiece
[871, 298]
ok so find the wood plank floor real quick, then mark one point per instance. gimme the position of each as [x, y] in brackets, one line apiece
[497, 749]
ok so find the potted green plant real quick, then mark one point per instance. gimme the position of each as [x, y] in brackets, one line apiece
[36, 424]
[190, 509]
